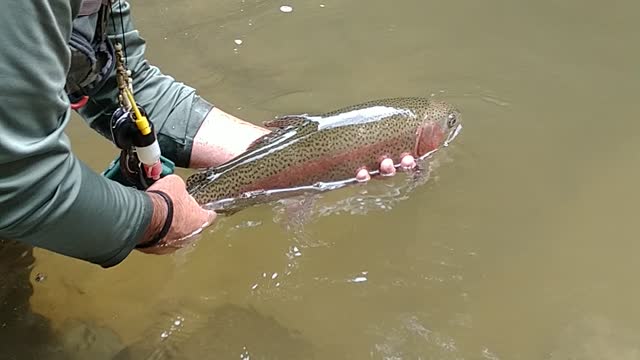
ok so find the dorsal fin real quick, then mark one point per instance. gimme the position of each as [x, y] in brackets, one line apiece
[264, 139]
[280, 125]
[285, 121]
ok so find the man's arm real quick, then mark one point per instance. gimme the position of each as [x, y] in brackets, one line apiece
[222, 137]
[48, 198]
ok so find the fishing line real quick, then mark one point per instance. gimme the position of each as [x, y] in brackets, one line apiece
[115, 32]
[124, 44]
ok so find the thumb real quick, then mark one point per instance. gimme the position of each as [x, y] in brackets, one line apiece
[211, 216]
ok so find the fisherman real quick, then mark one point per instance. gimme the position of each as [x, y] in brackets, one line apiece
[58, 56]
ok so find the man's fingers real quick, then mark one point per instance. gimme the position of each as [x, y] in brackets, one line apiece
[154, 171]
[408, 162]
[387, 167]
[363, 175]
[211, 217]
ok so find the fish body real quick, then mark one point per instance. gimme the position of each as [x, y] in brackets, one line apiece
[306, 149]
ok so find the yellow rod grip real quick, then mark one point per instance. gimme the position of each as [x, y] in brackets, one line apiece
[141, 121]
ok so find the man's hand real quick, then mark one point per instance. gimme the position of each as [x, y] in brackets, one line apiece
[189, 218]
[387, 168]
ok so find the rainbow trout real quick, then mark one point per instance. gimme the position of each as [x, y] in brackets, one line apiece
[304, 150]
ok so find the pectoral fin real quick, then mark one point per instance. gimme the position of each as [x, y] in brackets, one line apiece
[280, 125]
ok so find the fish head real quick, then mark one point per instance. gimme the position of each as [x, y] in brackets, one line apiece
[440, 125]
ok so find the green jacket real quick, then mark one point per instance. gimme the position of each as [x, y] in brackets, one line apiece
[48, 197]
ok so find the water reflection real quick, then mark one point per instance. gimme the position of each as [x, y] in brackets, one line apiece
[23, 334]
[228, 332]
[592, 337]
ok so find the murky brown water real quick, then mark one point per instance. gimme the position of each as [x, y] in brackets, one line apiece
[522, 244]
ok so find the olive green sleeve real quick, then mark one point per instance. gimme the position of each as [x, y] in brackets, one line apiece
[48, 198]
[175, 108]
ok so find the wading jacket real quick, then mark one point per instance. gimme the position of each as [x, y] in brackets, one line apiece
[52, 55]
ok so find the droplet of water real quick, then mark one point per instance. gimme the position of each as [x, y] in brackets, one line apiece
[286, 8]
[489, 355]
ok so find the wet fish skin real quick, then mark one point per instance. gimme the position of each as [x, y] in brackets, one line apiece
[306, 149]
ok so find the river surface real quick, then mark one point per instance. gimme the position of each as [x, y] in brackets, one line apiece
[519, 242]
